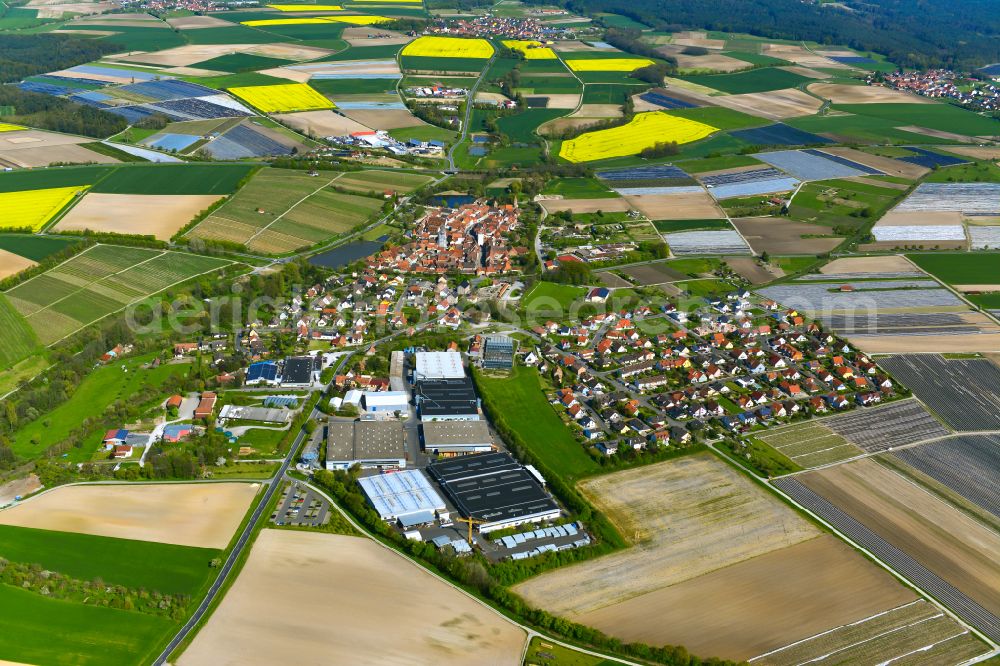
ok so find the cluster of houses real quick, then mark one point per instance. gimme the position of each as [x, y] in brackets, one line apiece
[738, 363]
[471, 239]
[436, 92]
[381, 140]
[510, 27]
[945, 83]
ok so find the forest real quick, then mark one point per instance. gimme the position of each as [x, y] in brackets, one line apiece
[58, 114]
[912, 33]
[27, 55]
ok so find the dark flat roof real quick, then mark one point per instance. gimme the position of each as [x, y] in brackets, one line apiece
[298, 370]
[492, 487]
[446, 397]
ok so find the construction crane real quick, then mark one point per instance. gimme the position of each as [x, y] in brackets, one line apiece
[471, 521]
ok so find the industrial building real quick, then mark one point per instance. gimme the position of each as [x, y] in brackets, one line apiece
[496, 489]
[456, 438]
[263, 414]
[406, 497]
[438, 365]
[447, 400]
[263, 373]
[386, 401]
[498, 353]
[299, 371]
[371, 444]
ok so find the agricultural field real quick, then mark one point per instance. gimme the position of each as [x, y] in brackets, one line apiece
[731, 182]
[779, 235]
[532, 50]
[947, 553]
[12, 264]
[752, 81]
[174, 179]
[432, 622]
[183, 514]
[701, 530]
[525, 408]
[961, 269]
[160, 216]
[98, 282]
[430, 46]
[887, 426]
[809, 444]
[20, 340]
[607, 64]
[282, 210]
[964, 393]
[643, 131]
[33, 209]
[282, 98]
[378, 181]
[35, 248]
[711, 242]
[812, 164]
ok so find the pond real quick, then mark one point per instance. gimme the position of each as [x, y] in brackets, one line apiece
[347, 254]
[452, 200]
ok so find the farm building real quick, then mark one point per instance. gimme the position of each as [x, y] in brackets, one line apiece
[386, 401]
[263, 372]
[455, 438]
[262, 414]
[176, 432]
[405, 496]
[174, 402]
[438, 365]
[495, 488]
[299, 371]
[113, 438]
[206, 405]
[371, 444]
[447, 400]
[498, 352]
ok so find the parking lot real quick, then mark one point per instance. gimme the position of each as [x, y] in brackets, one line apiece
[301, 506]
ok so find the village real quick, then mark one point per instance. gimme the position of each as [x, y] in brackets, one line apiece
[945, 84]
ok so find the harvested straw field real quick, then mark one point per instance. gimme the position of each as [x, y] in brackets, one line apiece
[182, 56]
[385, 119]
[759, 604]
[356, 36]
[12, 264]
[643, 131]
[197, 22]
[690, 206]
[703, 531]
[839, 93]
[779, 236]
[869, 266]
[144, 214]
[886, 165]
[205, 515]
[347, 581]
[576, 206]
[685, 517]
[776, 104]
[321, 123]
[30, 156]
[598, 111]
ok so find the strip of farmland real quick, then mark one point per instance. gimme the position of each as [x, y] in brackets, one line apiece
[901, 562]
[887, 426]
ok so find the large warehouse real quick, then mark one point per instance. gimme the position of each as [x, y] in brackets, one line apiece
[447, 400]
[438, 365]
[405, 496]
[379, 444]
[495, 488]
[386, 401]
[455, 438]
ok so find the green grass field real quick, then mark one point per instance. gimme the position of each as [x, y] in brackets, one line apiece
[35, 248]
[988, 301]
[668, 226]
[437, 64]
[579, 188]
[381, 52]
[162, 567]
[755, 80]
[546, 296]
[96, 392]
[136, 38]
[964, 268]
[978, 172]
[39, 630]
[237, 34]
[19, 340]
[424, 133]
[37, 179]
[521, 127]
[720, 117]
[756, 58]
[174, 179]
[862, 129]
[944, 117]
[609, 93]
[240, 62]
[524, 406]
[334, 87]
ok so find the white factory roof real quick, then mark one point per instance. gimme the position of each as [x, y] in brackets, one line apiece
[401, 494]
[439, 365]
[386, 398]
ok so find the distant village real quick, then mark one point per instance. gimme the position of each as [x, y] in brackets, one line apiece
[944, 84]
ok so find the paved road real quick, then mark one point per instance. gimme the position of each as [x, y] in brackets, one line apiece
[469, 101]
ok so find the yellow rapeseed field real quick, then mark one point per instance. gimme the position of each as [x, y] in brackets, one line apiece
[33, 208]
[385, 2]
[7, 127]
[314, 20]
[531, 50]
[608, 64]
[448, 47]
[283, 98]
[359, 19]
[643, 131]
[306, 8]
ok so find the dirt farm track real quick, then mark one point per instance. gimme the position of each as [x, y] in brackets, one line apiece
[311, 598]
[187, 514]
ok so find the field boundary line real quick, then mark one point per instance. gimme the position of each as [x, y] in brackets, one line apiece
[291, 208]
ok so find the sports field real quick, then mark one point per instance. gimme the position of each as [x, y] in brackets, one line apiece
[283, 98]
[363, 588]
[519, 401]
[98, 282]
[34, 208]
[282, 210]
[201, 515]
[607, 64]
[448, 47]
[643, 131]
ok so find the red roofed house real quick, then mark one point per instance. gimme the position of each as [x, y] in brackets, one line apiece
[205, 406]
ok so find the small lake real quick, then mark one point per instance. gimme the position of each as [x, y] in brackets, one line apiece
[452, 200]
[347, 254]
